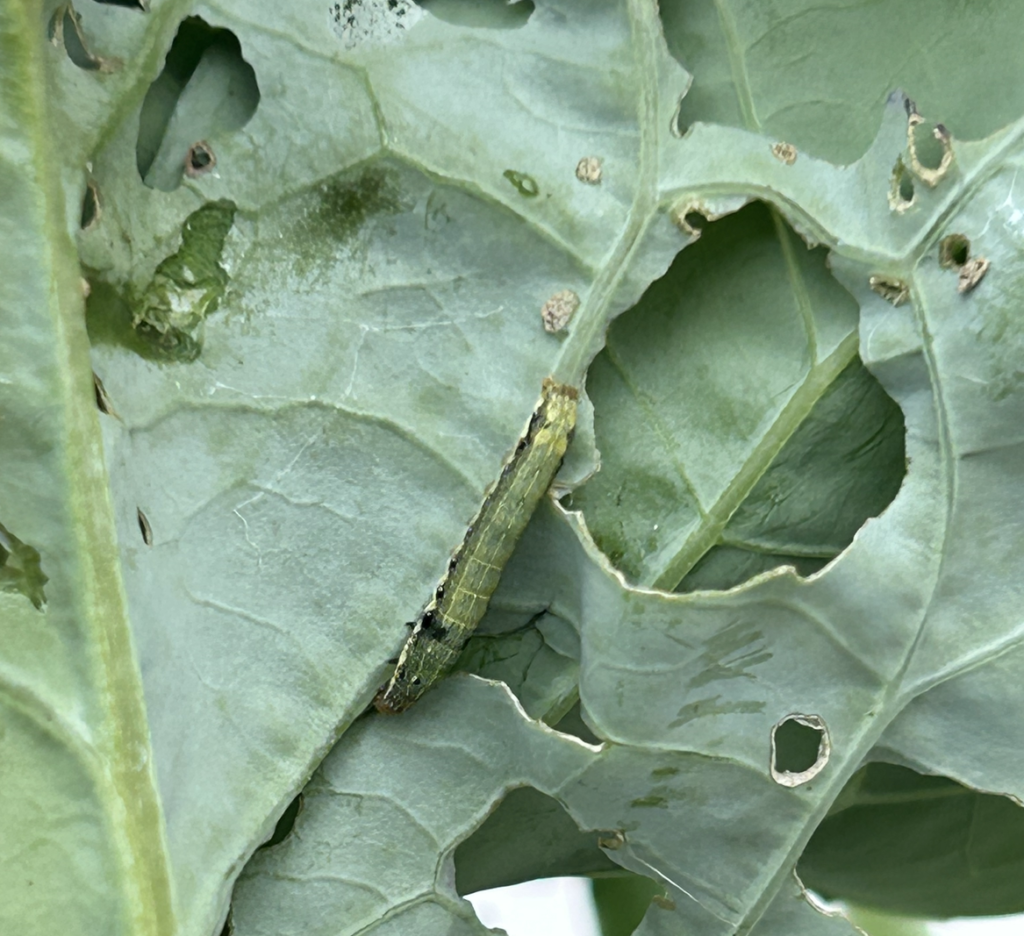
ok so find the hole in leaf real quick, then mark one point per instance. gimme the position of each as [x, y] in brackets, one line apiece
[906, 188]
[286, 823]
[529, 835]
[144, 528]
[481, 14]
[954, 251]
[623, 901]
[697, 368]
[901, 192]
[918, 845]
[200, 159]
[90, 206]
[800, 749]
[21, 569]
[65, 30]
[141, 5]
[928, 144]
[695, 220]
[552, 906]
[206, 89]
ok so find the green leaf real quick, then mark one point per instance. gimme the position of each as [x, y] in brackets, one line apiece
[244, 529]
[817, 74]
[622, 902]
[921, 846]
[83, 845]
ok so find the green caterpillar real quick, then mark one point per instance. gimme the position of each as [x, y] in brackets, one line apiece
[474, 571]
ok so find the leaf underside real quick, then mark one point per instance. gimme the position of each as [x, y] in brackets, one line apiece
[317, 244]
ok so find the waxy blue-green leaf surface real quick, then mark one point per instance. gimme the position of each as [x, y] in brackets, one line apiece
[232, 545]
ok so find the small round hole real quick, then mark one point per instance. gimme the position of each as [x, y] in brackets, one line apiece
[954, 251]
[200, 159]
[695, 220]
[800, 749]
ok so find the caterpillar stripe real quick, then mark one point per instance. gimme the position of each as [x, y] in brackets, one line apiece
[475, 569]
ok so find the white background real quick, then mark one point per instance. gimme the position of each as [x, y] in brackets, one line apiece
[562, 907]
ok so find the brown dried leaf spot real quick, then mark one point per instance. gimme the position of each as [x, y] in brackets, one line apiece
[558, 311]
[931, 176]
[588, 170]
[612, 842]
[890, 289]
[784, 152]
[971, 273]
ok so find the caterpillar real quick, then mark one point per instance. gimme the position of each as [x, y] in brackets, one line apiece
[474, 571]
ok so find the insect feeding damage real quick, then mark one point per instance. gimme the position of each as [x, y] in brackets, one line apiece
[558, 311]
[892, 290]
[971, 273]
[785, 152]
[955, 254]
[475, 569]
[782, 773]
[588, 170]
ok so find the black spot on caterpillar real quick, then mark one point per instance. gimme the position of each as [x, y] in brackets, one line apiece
[474, 571]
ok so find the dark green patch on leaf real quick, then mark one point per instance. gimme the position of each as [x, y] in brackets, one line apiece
[346, 202]
[525, 185]
[187, 286]
[650, 802]
[21, 568]
[664, 771]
